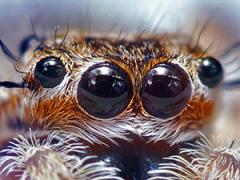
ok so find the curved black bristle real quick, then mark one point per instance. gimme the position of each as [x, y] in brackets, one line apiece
[231, 84]
[7, 52]
[9, 84]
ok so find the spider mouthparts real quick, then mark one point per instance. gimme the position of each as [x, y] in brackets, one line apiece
[134, 159]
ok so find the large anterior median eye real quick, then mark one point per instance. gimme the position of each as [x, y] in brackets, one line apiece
[166, 90]
[50, 72]
[104, 90]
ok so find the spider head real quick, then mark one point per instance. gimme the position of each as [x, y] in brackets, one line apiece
[132, 101]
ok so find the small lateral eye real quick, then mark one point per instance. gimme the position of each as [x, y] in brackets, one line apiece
[166, 89]
[50, 71]
[104, 90]
[210, 72]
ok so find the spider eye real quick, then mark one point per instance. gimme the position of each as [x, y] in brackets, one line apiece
[50, 72]
[104, 90]
[210, 72]
[166, 90]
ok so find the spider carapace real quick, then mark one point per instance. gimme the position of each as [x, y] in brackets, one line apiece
[132, 101]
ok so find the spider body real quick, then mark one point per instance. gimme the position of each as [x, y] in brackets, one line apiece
[142, 93]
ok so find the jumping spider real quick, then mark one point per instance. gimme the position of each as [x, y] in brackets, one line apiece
[94, 107]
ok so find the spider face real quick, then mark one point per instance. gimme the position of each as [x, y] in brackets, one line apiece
[134, 85]
[142, 94]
